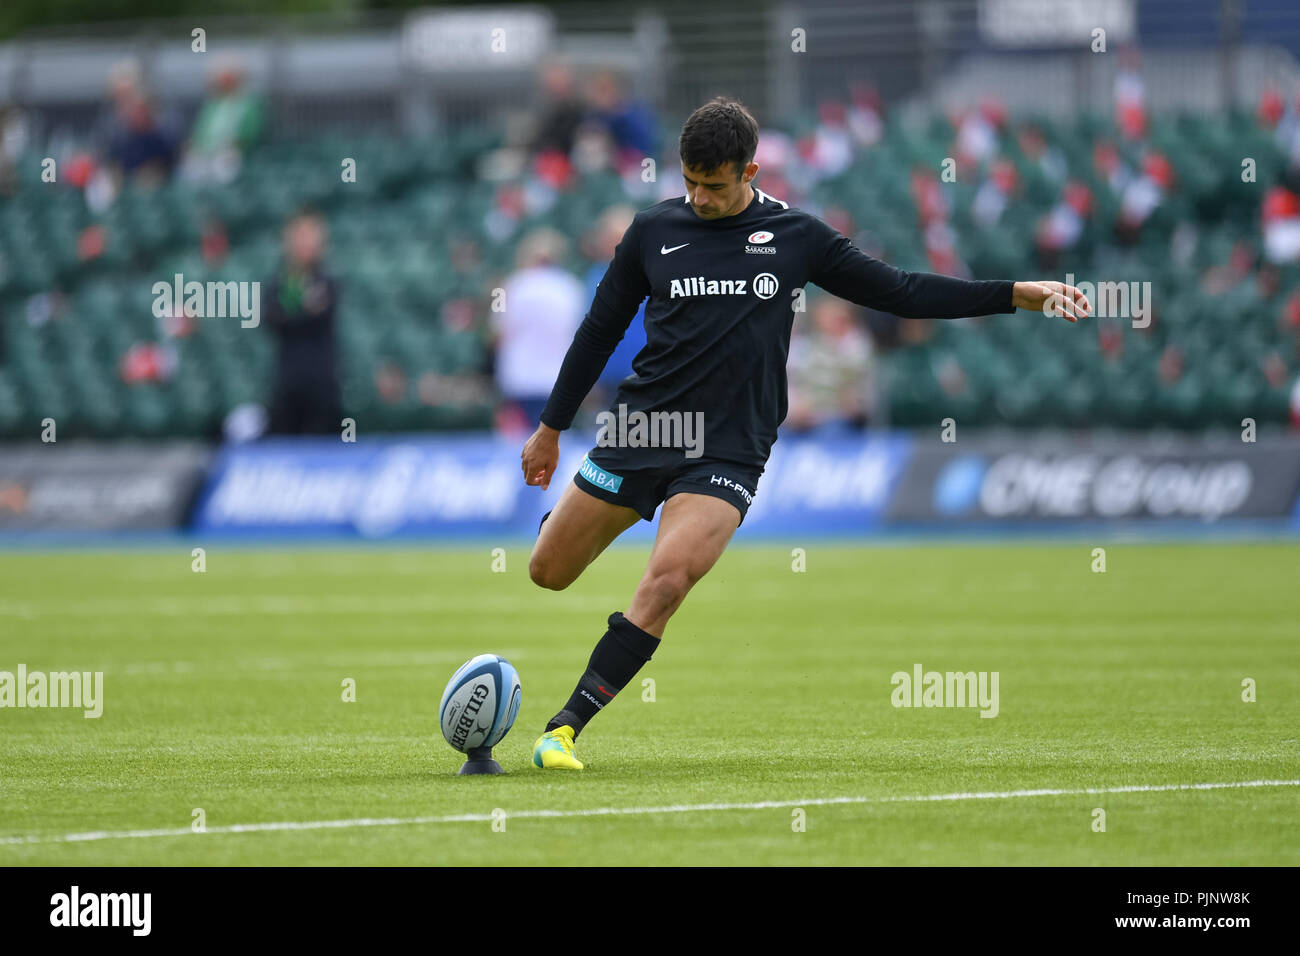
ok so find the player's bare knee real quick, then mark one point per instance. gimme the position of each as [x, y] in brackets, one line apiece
[545, 574]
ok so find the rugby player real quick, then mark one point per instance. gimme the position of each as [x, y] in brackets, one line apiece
[722, 267]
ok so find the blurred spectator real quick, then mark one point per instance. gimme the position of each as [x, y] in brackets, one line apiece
[560, 112]
[1061, 228]
[1130, 95]
[1225, 276]
[937, 233]
[866, 116]
[784, 176]
[298, 304]
[831, 370]
[158, 361]
[1280, 218]
[132, 136]
[1142, 195]
[1271, 108]
[509, 209]
[941, 250]
[390, 382]
[1109, 166]
[543, 309]
[472, 383]
[13, 143]
[141, 149]
[148, 362]
[929, 195]
[1275, 370]
[1048, 160]
[598, 246]
[993, 194]
[125, 83]
[627, 126]
[977, 135]
[91, 242]
[829, 150]
[228, 123]
[1288, 141]
[841, 220]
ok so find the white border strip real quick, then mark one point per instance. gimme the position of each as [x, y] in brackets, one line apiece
[289, 825]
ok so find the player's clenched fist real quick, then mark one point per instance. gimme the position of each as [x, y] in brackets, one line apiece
[1051, 298]
[541, 456]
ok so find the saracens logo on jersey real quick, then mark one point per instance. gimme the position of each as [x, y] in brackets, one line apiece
[765, 286]
[758, 244]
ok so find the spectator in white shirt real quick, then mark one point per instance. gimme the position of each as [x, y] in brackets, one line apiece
[543, 306]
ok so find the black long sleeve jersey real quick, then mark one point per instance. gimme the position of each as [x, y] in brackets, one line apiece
[722, 302]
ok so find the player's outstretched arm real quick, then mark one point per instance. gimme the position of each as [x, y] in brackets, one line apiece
[842, 269]
[1051, 298]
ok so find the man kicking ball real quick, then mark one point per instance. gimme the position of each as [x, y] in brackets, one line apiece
[722, 267]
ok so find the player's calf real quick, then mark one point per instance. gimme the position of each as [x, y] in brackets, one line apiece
[659, 594]
[693, 532]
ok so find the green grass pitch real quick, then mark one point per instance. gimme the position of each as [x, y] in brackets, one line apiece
[223, 691]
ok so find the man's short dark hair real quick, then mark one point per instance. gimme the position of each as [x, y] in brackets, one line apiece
[717, 134]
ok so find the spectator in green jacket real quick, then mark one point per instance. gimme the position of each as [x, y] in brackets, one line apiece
[228, 124]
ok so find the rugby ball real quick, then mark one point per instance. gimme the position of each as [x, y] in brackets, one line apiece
[480, 703]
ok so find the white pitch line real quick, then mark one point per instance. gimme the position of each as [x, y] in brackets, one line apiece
[290, 825]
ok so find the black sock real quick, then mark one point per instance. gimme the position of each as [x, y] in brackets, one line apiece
[622, 652]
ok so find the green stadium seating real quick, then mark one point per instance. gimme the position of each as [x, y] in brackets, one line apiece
[389, 248]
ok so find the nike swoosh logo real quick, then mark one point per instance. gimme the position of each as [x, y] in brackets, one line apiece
[664, 250]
